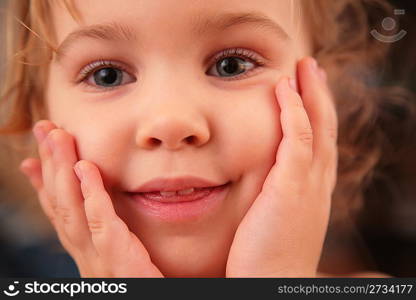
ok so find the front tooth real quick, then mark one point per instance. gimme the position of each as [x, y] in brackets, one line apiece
[168, 194]
[186, 192]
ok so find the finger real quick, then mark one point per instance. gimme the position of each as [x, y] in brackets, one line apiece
[70, 211]
[47, 194]
[322, 113]
[294, 155]
[114, 242]
[41, 131]
[31, 167]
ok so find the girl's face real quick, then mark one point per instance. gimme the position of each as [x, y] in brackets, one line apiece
[171, 70]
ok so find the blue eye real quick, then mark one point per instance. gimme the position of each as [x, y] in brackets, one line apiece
[235, 63]
[108, 77]
[105, 75]
[232, 66]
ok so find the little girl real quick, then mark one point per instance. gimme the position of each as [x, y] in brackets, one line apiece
[194, 138]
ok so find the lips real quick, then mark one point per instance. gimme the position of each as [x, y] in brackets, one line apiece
[184, 195]
[179, 199]
[175, 184]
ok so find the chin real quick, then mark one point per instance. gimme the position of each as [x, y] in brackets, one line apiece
[178, 270]
[191, 261]
[179, 250]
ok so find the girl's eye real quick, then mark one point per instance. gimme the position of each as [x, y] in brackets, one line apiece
[108, 77]
[103, 74]
[233, 62]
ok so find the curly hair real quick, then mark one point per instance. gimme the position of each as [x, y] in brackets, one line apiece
[366, 109]
[341, 42]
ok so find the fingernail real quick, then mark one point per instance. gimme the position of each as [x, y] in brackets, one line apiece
[292, 84]
[283, 86]
[322, 74]
[314, 65]
[78, 171]
[23, 167]
[39, 133]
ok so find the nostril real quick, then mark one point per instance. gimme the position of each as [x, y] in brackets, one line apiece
[190, 139]
[154, 142]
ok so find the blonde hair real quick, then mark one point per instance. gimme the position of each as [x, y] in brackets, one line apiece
[341, 42]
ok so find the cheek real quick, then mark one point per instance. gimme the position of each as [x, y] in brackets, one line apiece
[254, 131]
[253, 136]
[105, 145]
[98, 141]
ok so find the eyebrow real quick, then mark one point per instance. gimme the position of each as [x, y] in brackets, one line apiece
[225, 21]
[109, 32]
[201, 26]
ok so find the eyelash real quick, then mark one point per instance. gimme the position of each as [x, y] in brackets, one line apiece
[90, 68]
[241, 53]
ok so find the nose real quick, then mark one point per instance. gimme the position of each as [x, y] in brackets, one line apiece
[172, 130]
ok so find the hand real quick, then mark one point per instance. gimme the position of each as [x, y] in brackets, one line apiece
[83, 215]
[282, 233]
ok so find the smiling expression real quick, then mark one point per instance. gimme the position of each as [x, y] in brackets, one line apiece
[176, 88]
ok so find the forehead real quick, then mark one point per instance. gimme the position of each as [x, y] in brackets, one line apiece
[158, 17]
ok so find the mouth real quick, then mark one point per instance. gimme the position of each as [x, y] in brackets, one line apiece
[184, 195]
[180, 205]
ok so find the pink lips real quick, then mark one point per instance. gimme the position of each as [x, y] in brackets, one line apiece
[179, 207]
[195, 195]
[174, 184]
